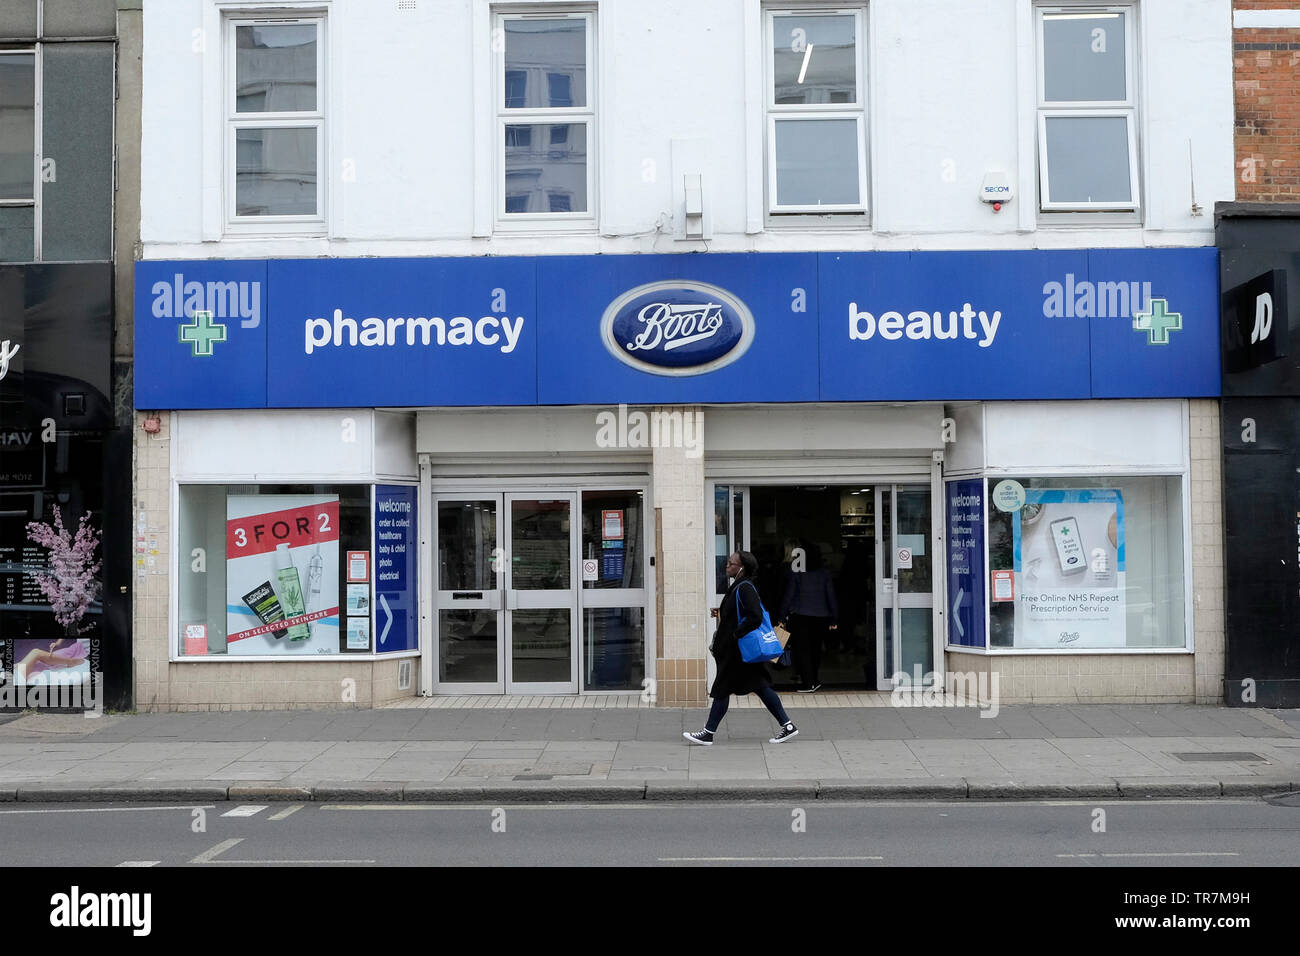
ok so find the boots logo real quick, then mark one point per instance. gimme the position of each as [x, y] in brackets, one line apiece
[677, 328]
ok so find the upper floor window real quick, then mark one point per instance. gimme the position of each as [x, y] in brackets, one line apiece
[275, 122]
[17, 155]
[1087, 106]
[816, 120]
[545, 118]
[56, 143]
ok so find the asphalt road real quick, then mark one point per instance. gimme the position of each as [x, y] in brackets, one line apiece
[1164, 833]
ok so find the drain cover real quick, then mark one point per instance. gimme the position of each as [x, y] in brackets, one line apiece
[531, 776]
[1224, 756]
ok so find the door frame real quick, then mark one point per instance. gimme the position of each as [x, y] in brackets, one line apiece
[541, 485]
[769, 472]
[885, 557]
[492, 598]
[515, 599]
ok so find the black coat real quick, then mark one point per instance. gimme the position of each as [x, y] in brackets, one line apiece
[734, 675]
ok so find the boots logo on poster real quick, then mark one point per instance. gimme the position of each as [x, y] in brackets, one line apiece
[677, 328]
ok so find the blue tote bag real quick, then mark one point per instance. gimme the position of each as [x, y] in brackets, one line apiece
[760, 644]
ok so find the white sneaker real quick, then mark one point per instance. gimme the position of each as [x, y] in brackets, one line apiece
[788, 731]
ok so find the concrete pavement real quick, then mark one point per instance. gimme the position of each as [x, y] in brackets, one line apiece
[504, 754]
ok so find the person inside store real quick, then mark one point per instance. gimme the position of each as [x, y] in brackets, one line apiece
[740, 612]
[810, 611]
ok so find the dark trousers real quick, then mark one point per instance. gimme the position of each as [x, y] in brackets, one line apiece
[807, 635]
[769, 698]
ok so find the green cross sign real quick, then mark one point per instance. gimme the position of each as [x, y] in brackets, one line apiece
[1157, 322]
[202, 333]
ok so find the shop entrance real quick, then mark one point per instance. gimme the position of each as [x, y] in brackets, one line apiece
[538, 592]
[868, 558]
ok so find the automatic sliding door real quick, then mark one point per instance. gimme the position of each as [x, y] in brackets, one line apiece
[541, 592]
[905, 587]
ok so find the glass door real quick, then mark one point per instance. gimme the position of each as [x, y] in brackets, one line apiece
[541, 594]
[905, 586]
[468, 609]
[730, 532]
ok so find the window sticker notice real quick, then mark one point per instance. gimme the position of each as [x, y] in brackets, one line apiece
[358, 567]
[1004, 586]
[358, 599]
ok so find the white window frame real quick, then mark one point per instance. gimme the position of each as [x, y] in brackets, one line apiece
[1089, 108]
[37, 160]
[584, 220]
[787, 112]
[233, 121]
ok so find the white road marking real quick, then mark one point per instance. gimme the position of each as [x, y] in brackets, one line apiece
[1070, 856]
[248, 810]
[139, 862]
[207, 856]
[289, 862]
[286, 811]
[761, 859]
[192, 806]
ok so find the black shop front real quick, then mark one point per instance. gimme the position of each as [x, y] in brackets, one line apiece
[60, 453]
[1260, 282]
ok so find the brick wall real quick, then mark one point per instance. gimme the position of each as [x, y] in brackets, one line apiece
[1266, 77]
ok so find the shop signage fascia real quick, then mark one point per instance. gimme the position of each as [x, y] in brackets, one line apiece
[527, 331]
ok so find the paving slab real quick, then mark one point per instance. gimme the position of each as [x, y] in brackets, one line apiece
[277, 750]
[260, 769]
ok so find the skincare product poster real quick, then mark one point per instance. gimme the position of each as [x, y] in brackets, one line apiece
[1069, 564]
[282, 574]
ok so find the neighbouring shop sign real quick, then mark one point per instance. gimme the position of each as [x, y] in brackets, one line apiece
[56, 333]
[745, 327]
[1069, 562]
[395, 568]
[965, 517]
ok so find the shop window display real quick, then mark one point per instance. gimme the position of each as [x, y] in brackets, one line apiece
[263, 569]
[1091, 562]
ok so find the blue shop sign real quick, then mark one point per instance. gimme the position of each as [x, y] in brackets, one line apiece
[751, 327]
[966, 570]
[395, 568]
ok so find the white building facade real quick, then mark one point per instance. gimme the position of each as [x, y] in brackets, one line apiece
[472, 337]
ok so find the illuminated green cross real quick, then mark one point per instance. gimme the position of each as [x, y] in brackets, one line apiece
[1157, 323]
[202, 333]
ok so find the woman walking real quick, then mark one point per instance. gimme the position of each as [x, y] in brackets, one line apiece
[741, 611]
